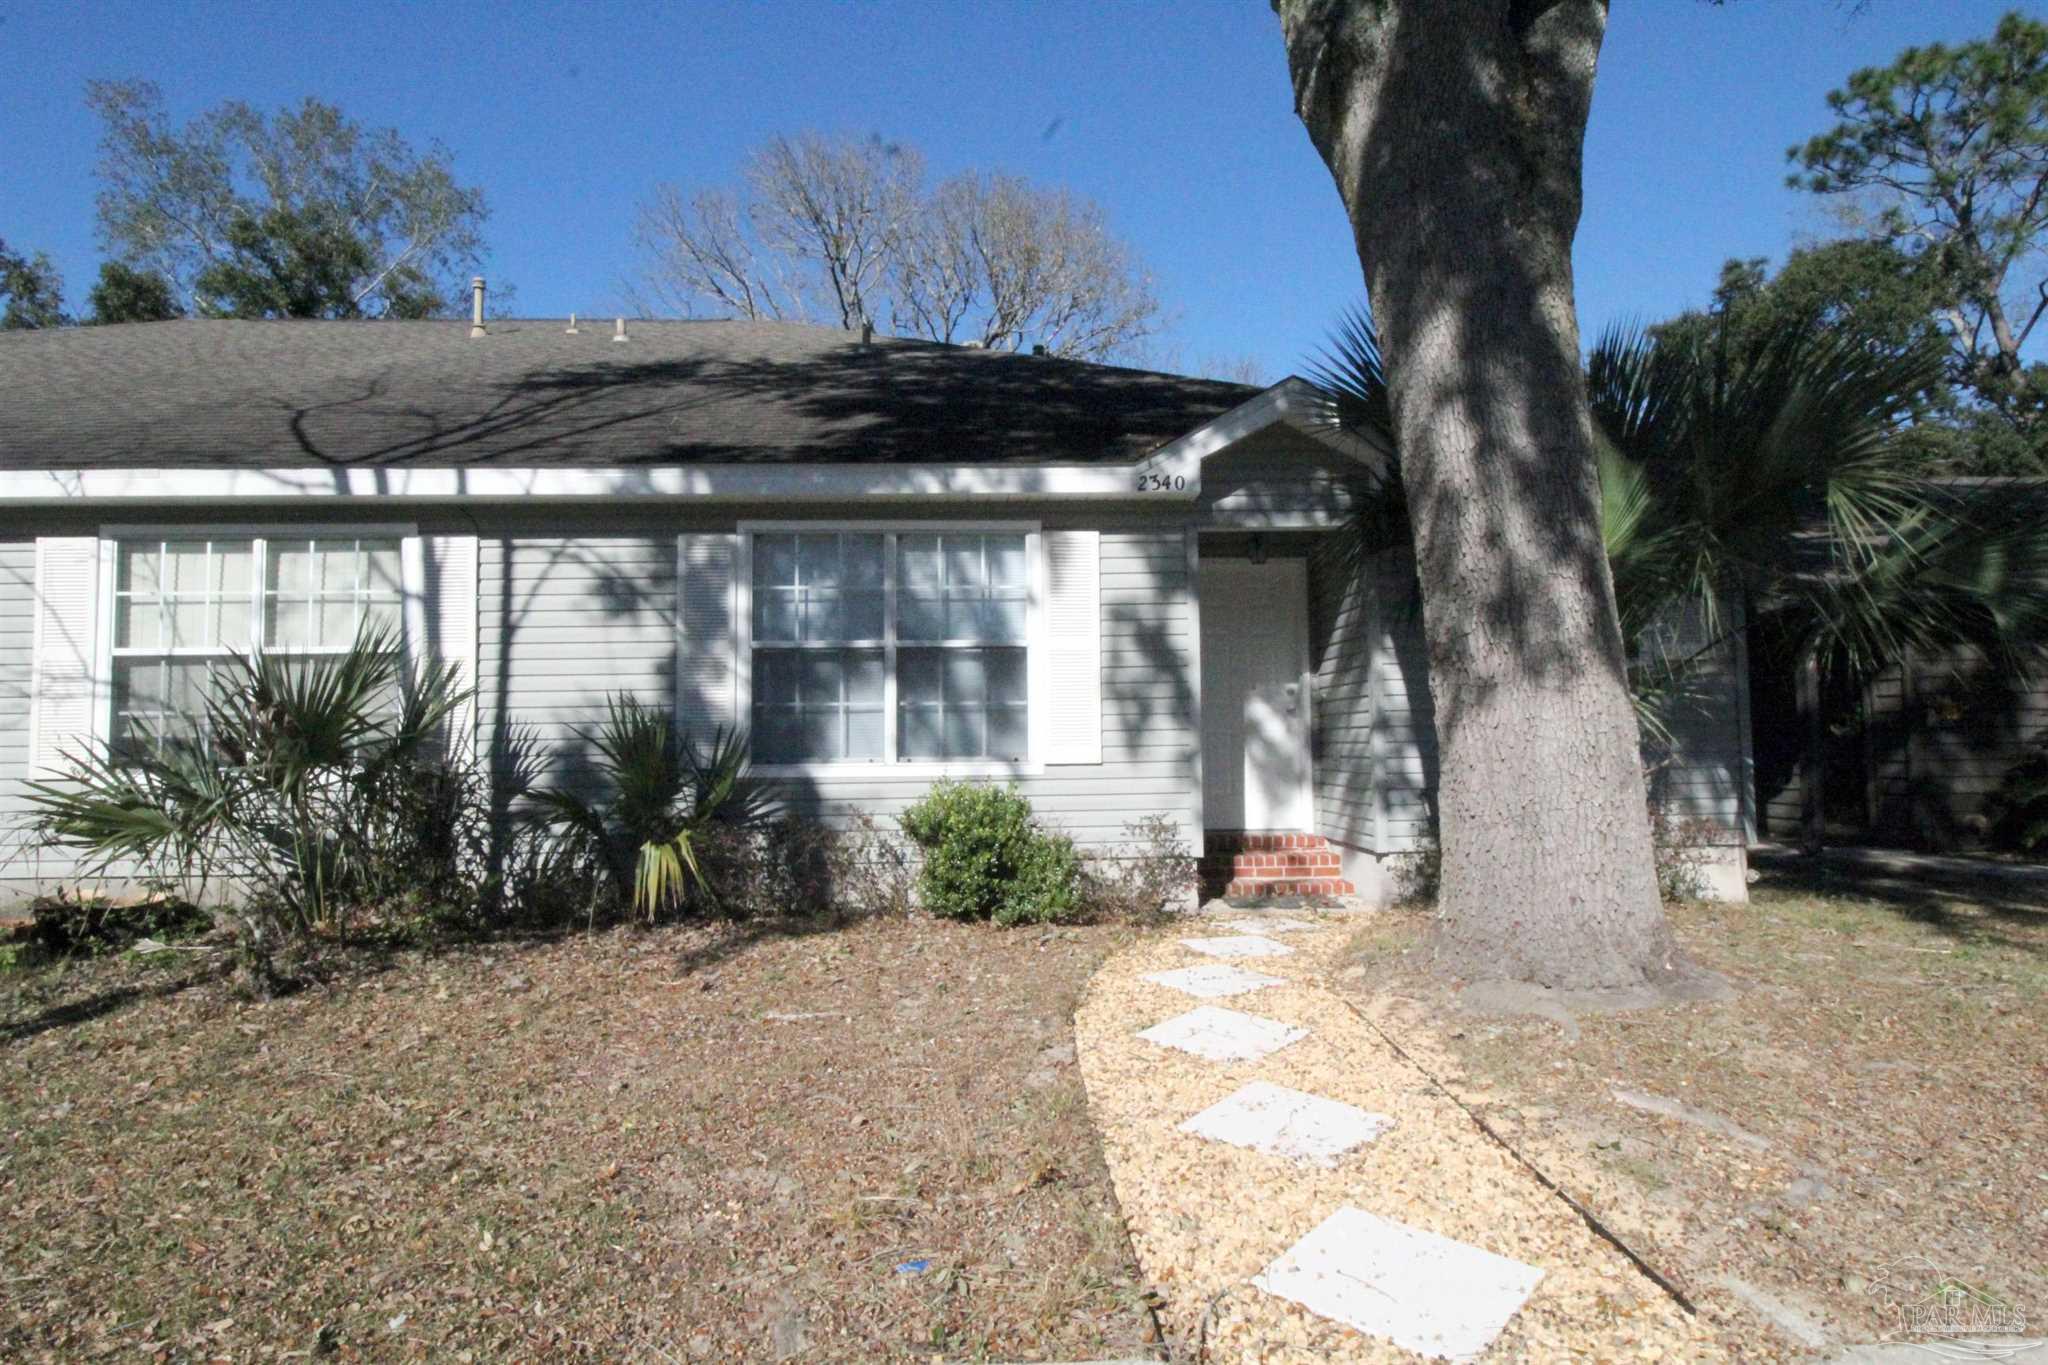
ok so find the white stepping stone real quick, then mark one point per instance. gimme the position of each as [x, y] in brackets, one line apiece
[1425, 1293]
[1221, 1035]
[1268, 924]
[1238, 945]
[1212, 980]
[1288, 1123]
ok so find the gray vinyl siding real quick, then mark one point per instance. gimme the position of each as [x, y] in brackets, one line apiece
[1375, 745]
[1279, 478]
[1341, 628]
[1939, 735]
[564, 624]
[1150, 743]
[1374, 737]
[1702, 778]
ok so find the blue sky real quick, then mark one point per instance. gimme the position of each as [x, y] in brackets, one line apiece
[1176, 116]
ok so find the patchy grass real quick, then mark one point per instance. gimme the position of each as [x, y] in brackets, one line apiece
[700, 1142]
[1888, 1046]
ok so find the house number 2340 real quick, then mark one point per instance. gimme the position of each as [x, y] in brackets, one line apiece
[1162, 483]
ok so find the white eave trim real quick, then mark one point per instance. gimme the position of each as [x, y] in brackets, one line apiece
[1292, 401]
[728, 483]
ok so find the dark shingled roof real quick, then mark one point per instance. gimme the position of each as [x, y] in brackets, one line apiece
[166, 394]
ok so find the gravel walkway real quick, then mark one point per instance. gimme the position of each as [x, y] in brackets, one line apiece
[1208, 1217]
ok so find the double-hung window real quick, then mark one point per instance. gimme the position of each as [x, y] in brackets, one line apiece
[890, 646]
[182, 605]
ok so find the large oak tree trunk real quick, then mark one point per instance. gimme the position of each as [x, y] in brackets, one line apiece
[1454, 131]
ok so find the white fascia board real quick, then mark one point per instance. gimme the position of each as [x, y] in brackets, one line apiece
[1171, 473]
[1293, 402]
[730, 483]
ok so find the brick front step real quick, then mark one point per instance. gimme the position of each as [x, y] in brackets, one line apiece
[1259, 841]
[1273, 864]
[1259, 864]
[1261, 890]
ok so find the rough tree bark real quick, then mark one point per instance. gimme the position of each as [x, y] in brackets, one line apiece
[1454, 130]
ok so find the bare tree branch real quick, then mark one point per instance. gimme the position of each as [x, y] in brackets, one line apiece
[850, 224]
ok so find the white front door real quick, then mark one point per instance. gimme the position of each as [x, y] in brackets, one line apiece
[1255, 695]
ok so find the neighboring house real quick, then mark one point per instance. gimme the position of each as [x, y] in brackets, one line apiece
[889, 560]
[1914, 753]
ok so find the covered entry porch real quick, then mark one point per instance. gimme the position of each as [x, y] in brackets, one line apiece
[1259, 725]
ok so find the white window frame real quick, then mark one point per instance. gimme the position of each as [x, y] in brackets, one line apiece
[891, 766]
[411, 567]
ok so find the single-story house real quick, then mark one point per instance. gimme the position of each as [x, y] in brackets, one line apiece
[888, 560]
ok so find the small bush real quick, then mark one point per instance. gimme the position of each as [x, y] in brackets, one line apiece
[985, 858]
[791, 867]
[1416, 877]
[1680, 849]
[878, 877]
[1156, 879]
[62, 924]
[1047, 887]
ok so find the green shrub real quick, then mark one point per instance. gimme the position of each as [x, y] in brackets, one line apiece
[1047, 887]
[985, 858]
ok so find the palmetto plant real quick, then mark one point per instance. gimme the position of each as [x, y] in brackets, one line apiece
[661, 797]
[302, 788]
[1756, 483]
[1770, 475]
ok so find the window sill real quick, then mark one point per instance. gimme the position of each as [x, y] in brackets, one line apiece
[923, 771]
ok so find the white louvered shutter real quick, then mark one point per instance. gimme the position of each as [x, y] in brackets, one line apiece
[64, 708]
[707, 665]
[451, 594]
[1073, 647]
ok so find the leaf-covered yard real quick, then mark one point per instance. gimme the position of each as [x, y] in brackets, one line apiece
[1864, 1114]
[693, 1143]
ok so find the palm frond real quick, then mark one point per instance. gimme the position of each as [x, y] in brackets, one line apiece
[1351, 372]
[720, 792]
[668, 871]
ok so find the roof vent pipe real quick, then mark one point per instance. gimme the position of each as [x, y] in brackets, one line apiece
[571, 329]
[618, 329]
[476, 306]
[1038, 349]
[867, 333]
